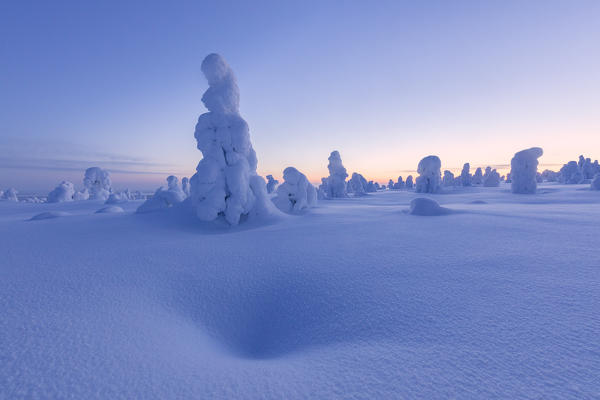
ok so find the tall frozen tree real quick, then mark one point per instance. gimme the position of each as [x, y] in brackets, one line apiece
[225, 183]
[98, 183]
[430, 176]
[523, 170]
[448, 178]
[465, 175]
[336, 182]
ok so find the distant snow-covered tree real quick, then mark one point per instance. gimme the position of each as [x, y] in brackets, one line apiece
[9, 195]
[185, 186]
[570, 173]
[98, 183]
[399, 184]
[296, 193]
[372, 187]
[524, 169]
[491, 178]
[271, 183]
[549, 176]
[357, 185]
[465, 175]
[409, 182]
[336, 182]
[225, 183]
[430, 175]
[477, 178]
[448, 178]
[390, 184]
[65, 191]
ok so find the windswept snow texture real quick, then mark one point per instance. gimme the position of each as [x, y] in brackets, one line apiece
[354, 300]
[225, 183]
[523, 170]
[296, 193]
[430, 176]
[97, 182]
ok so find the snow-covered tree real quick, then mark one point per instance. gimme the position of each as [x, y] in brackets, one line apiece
[524, 169]
[185, 186]
[477, 178]
[549, 176]
[430, 175]
[399, 184]
[336, 182]
[83, 194]
[448, 178]
[164, 197]
[491, 178]
[65, 191]
[122, 197]
[570, 173]
[9, 195]
[390, 184]
[595, 185]
[296, 193]
[225, 183]
[372, 187]
[97, 182]
[465, 175]
[271, 183]
[409, 182]
[357, 184]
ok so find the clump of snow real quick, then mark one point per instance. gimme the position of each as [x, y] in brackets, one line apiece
[595, 185]
[110, 210]
[63, 192]
[164, 198]
[225, 183]
[448, 179]
[524, 169]
[424, 206]
[409, 182]
[430, 175]
[336, 182]
[357, 184]
[49, 215]
[296, 193]
[271, 183]
[9, 195]
[81, 195]
[465, 175]
[491, 178]
[97, 182]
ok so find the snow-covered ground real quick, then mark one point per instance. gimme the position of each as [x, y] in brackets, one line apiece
[355, 299]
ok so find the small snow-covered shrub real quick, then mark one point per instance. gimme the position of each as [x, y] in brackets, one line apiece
[164, 198]
[430, 175]
[296, 193]
[63, 192]
[10, 195]
[524, 169]
[448, 178]
[225, 183]
[97, 182]
[110, 210]
[595, 185]
[465, 175]
[336, 182]
[271, 183]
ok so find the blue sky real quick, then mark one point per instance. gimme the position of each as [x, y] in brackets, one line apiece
[118, 84]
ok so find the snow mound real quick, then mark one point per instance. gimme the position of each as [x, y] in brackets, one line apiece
[523, 170]
[63, 192]
[110, 210]
[424, 206]
[295, 193]
[430, 176]
[97, 182]
[49, 215]
[225, 183]
[478, 202]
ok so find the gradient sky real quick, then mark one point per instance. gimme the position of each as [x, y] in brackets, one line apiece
[118, 84]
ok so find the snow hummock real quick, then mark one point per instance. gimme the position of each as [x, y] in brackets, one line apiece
[524, 170]
[225, 183]
[49, 215]
[98, 183]
[164, 197]
[336, 182]
[430, 176]
[426, 207]
[63, 192]
[110, 210]
[296, 193]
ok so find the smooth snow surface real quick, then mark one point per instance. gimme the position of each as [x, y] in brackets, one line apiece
[354, 300]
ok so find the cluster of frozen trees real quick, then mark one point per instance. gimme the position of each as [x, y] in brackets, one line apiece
[9, 194]
[401, 184]
[582, 171]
